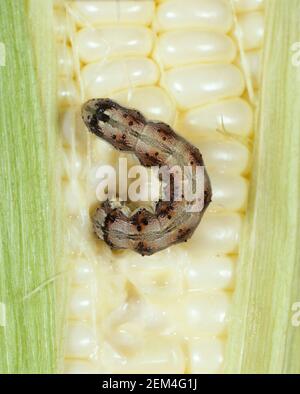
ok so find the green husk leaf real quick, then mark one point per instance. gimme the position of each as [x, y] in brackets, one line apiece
[262, 338]
[29, 229]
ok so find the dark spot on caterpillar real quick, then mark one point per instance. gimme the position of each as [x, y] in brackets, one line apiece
[150, 232]
[100, 109]
[140, 246]
[143, 249]
[102, 117]
[94, 125]
[183, 234]
[111, 217]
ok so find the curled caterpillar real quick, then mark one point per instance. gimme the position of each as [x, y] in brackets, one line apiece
[154, 144]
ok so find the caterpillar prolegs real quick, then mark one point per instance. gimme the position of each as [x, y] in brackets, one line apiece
[154, 144]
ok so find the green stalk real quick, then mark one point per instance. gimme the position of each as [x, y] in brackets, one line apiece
[262, 338]
[29, 256]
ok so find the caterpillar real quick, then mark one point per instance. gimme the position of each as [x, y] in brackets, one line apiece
[154, 144]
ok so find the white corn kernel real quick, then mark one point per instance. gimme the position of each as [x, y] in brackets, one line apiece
[227, 156]
[251, 30]
[103, 79]
[204, 313]
[253, 62]
[81, 303]
[65, 61]
[152, 101]
[248, 5]
[206, 356]
[98, 12]
[83, 272]
[202, 14]
[60, 27]
[196, 313]
[95, 44]
[233, 116]
[73, 130]
[192, 86]
[230, 192]
[68, 94]
[209, 272]
[218, 233]
[81, 341]
[179, 48]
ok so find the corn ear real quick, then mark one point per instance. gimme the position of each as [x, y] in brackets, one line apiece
[262, 338]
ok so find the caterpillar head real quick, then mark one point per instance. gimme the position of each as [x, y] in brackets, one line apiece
[110, 121]
[97, 113]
